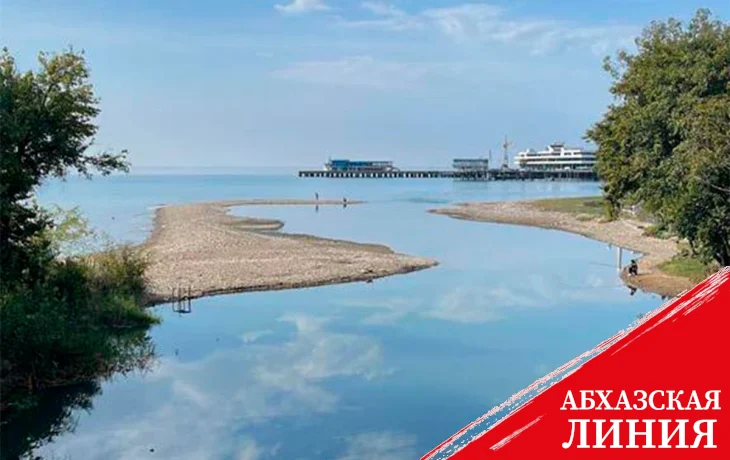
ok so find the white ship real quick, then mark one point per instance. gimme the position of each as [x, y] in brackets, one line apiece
[556, 156]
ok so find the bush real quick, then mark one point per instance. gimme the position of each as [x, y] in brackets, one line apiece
[657, 231]
[61, 330]
[37, 419]
[119, 270]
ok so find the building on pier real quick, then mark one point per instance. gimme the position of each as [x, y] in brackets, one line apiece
[471, 169]
[556, 157]
[345, 165]
[471, 164]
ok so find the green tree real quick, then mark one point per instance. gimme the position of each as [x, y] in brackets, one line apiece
[665, 141]
[61, 307]
[46, 130]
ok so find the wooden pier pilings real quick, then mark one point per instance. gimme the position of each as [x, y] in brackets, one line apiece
[482, 175]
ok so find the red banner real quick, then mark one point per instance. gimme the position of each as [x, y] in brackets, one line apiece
[655, 390]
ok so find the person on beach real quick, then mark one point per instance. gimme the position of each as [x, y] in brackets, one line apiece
[316, 196]
[633, 268]
[344, 202]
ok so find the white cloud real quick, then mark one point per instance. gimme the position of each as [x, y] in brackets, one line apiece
[379, 445]
[362, 71]
[302, 6]
[190, 393]
[383, 9]
[249, 451]
[384, 319]
[479, 305]
[253, 336]
[264, 383]
[387, 311]
[462, 22]
[388, 17]
[481, 22]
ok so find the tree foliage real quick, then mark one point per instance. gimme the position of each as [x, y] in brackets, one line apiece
[46, 130]
[61, 308]
[665, 141]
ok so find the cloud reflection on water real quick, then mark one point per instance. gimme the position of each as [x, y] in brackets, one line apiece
[237, 390]
[381, 445]
[471, 302]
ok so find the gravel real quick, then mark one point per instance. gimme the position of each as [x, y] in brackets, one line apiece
[199, 249]
[623, 232]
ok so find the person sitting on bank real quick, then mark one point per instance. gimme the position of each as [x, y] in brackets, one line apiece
[633, 268]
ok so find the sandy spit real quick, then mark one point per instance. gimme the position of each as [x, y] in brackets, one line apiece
[199, 249]
[625, 233]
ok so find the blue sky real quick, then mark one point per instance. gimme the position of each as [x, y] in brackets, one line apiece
[291, 82]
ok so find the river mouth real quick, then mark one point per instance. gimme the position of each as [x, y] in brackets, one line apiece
[394, 366]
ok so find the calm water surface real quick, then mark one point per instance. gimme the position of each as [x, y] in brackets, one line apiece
[382, 370]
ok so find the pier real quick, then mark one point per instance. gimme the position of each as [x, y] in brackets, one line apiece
[480, 175]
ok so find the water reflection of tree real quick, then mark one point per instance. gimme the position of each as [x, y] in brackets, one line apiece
[53, 412]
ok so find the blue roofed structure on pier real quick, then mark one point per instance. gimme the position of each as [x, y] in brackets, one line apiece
[346, 165]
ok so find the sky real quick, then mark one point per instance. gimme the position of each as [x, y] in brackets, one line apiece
[285, 83]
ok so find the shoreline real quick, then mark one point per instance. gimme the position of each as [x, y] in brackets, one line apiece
[625, 233]
[200, 249]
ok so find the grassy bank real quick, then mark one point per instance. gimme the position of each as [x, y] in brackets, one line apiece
[689, 267]
[593, 207]
[70, 324]
[588, 207]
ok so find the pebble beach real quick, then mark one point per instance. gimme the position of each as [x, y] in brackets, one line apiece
[625, 233]
[200, 249]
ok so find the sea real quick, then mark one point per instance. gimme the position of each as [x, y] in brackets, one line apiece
[382, 370]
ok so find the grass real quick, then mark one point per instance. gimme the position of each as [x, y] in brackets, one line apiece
[688, 266]
[64, 327]
[589, 208]
[586, 208]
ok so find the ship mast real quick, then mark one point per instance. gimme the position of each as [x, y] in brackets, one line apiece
[505, 146]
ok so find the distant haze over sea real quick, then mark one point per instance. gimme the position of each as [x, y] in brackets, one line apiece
[263, 170]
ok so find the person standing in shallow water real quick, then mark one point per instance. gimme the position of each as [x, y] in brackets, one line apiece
[633, 268]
